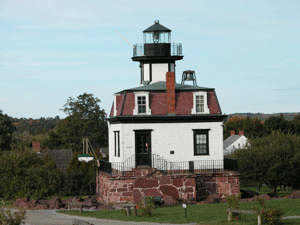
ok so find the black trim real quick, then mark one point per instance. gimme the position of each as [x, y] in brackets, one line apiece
[117, 143]
[143, 148]
[157, 59]
[150, 72]
[142, 72]
[143, 130]
[201, 131]
[167, 119]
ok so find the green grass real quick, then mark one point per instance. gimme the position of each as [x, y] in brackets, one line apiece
[266, 190]
[7, 203]
[214, 214]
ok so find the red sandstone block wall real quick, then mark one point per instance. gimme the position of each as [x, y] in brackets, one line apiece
[149, 182]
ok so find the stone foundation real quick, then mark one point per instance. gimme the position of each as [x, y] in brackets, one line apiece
[139, 183]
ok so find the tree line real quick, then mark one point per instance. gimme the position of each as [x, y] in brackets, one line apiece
[272, 157]
[84, 118]
[254, 127]
[24, 173]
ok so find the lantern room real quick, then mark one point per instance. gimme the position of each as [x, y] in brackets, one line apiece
[157, 54]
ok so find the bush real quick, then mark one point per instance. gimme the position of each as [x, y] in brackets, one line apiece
[269, 215]
[148, 207]
[80, 178]
[7, 218]
[234, 203]
[27, 174]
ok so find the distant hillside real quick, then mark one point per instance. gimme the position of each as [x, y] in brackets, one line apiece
[35, 126]
[263, 116]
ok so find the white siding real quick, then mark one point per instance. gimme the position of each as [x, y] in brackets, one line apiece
[146, 72]
[159, 72]
[166, 137]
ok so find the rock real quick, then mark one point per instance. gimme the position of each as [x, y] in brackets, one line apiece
[214, 198]
[246, 193]
[169, 200]
[265, 196]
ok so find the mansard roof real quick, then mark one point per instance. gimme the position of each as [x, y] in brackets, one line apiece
[125, 100]
[161, 86]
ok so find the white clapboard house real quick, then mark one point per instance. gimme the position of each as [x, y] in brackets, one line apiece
[161, 122]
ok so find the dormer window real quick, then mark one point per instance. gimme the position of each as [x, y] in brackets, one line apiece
[200, 103]
[141, 100]
[141, 104]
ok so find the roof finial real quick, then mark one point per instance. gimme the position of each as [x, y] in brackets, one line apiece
[156, 21]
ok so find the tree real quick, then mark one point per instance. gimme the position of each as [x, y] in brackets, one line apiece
[251, 126]
[273, 160]
[6, 131]
[27, 174]
[278, 123]
[80, 178]
[85, 119]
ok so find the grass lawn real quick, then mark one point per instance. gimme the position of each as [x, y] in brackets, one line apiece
[266, 190]
[214, 214]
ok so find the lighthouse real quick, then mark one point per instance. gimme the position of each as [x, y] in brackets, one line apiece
[165, 138]
[160, 120]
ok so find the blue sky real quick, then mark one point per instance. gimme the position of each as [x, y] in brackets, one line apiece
[51, 50]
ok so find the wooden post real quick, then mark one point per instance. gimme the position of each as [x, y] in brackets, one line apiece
[128, 211]
[134, 210]
[229, 216]
[258, 220]
[81, 208]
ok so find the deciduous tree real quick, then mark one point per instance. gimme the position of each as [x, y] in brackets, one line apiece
[273, 160]
[85, 119]
[6, 131]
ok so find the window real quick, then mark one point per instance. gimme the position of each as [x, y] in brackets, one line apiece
[117, 143]
[201, 146]
[141, 104]
[200, 105]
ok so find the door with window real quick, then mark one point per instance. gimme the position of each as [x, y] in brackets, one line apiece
[143, 148]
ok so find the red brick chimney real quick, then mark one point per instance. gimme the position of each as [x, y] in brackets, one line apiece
[232, 132]
[170, 92]
[36, 146]
[241, 133]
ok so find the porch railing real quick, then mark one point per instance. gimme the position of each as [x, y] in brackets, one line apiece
[158, 162]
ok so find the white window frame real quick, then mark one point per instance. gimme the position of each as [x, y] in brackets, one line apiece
[115, 104]
[205, 107]
[136, 107]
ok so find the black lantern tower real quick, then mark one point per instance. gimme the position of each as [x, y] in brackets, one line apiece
[157, 55]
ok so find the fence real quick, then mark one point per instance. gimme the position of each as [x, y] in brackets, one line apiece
[161, 164]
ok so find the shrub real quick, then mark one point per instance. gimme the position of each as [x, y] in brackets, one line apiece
[148, 207]
[269, 215]
[7, 218]
[234, 203]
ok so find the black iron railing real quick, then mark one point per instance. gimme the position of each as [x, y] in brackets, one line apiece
[231, 164]
[105, 166]
[161, 164]
[160, 49]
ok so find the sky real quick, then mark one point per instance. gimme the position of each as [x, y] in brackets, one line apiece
[249, 51]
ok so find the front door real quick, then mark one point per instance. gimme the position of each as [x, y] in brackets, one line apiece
[143, 148]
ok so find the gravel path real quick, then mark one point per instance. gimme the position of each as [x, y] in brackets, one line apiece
[51, 217]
